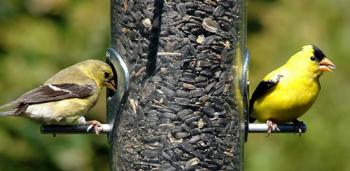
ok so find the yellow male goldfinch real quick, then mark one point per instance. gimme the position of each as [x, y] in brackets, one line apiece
[66, 96]
[289, 91]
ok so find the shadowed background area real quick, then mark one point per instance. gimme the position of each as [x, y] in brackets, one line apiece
[38, 38]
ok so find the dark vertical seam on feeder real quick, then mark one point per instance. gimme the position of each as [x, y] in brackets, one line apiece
[113, 41]
[154, 37]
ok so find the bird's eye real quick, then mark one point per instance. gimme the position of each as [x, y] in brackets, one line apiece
[107, 75]
[312, 58]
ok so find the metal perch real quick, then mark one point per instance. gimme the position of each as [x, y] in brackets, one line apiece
[72, 129]
[282, 128]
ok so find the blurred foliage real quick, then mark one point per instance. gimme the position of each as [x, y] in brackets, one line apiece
[38, 38]
[277, 29]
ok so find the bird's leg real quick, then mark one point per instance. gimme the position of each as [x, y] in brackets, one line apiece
[92, 124]
[271, 127]
[298, 125]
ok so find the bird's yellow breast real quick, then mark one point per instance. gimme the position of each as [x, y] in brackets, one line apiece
[291, 98]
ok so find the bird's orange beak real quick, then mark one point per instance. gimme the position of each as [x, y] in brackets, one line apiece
[326, 65]
[111, 85]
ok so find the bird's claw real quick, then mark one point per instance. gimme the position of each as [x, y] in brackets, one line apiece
[271, 127]
[96, 125]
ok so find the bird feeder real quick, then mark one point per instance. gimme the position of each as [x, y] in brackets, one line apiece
[182, 75]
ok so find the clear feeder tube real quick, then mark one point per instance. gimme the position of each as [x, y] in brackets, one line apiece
[184, 110]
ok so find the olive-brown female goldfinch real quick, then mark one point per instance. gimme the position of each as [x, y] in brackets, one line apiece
[66, 96]
[289, 91]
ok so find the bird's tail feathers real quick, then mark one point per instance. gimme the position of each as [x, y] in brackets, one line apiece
[12, 105]
[10, 109]
[8, 113]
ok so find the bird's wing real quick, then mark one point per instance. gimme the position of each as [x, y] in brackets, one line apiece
[53, 92]
[263, 88]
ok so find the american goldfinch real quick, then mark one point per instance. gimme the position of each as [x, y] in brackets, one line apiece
[288, 92]
[66, 96]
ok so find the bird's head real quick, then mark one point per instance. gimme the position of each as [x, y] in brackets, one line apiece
[312, 59]
[108, 77]
[101, 72]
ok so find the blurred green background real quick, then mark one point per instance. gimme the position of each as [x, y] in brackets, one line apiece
[278, 29]
[40, 37]
[37, 39]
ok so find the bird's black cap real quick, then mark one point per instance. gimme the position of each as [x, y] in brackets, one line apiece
[319, 55]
